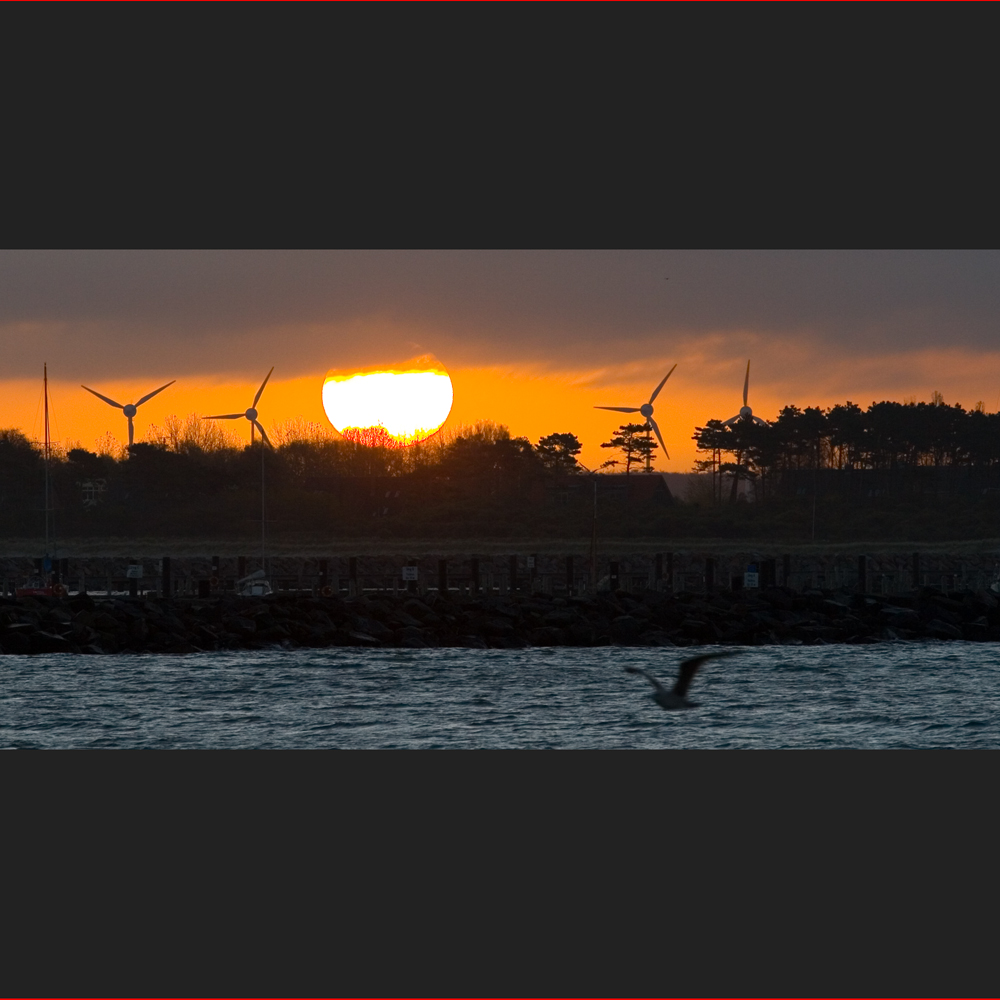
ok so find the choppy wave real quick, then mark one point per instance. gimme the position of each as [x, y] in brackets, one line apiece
[887, 695]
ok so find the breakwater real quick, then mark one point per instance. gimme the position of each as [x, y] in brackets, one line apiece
[84, 624]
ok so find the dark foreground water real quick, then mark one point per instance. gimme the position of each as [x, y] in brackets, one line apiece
[888, 695]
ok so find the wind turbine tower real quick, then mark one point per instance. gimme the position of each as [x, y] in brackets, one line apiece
[251, 414]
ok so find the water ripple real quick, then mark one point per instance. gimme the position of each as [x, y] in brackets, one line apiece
[886, 695]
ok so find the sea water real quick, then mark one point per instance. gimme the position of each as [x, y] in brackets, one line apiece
[885, 695]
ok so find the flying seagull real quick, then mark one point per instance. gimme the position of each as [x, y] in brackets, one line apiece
[677, 697]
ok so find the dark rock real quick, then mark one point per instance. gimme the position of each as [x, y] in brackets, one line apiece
[547, 636]
[400, 618]
[943, 630]
[16, 642]
[417, 608]
[656, 638]
[497, 628]
[403, 635]
[48, 642]
[363, 639]
[627, 628]
[412, 642]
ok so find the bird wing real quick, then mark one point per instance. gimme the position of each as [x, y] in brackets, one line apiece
[746, 384]
[260, 427]
[690, 667]
[105, 398]
[649, 677]
[225, 416]
[656, 391]
[150, 395]
[261, 389]
[619, 409]
[659, 437]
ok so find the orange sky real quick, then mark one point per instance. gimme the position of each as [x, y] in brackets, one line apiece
[534, 400]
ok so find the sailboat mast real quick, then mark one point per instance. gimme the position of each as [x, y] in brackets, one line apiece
[45, 381]
[593, 545]
[263, 516]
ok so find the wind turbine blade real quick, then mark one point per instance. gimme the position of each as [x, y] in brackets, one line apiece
[619, 409]
[757, 420]
[659, 437]
[263, 434]
[111, 402]
[746, 383]
[150, 395]
[131, 432]
[261, 389]
[730, 421]
[225, 416]
[656, 391]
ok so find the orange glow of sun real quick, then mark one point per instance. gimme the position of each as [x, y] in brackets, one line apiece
[389, 407]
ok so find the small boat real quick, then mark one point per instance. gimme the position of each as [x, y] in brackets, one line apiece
[254, 585]
[37, 587]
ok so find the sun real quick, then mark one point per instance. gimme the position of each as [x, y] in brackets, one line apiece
[389, 407]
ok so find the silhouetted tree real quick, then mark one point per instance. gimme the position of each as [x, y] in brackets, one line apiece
[558, 452]
[634, 444]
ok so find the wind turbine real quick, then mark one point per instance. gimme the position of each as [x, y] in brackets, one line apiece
[745, 412]
[129, 408]
[255, 585]
[250, 414]
[647, 411]
[746, 417]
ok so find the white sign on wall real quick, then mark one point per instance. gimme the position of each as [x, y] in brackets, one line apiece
[409, 572]
[751, 580]
[134, 573]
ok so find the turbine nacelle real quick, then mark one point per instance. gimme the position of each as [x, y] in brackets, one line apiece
[251, 414]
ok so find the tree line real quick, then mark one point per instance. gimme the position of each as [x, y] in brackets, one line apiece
[888, 437]
[192, 476]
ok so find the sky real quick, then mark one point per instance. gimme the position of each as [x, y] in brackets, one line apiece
[532, 339]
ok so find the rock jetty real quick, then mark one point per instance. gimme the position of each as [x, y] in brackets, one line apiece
[83, 624]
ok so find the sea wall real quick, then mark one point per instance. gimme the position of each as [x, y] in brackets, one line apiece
[83, 624]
